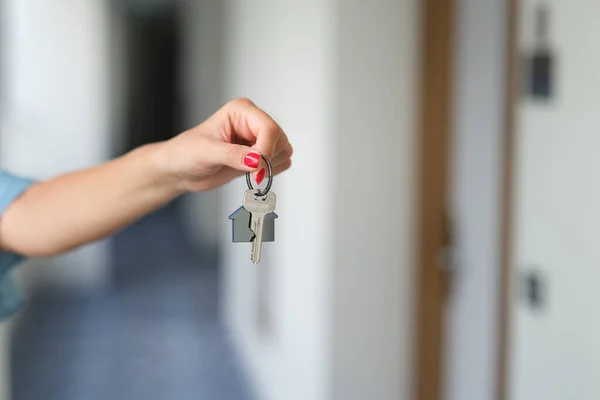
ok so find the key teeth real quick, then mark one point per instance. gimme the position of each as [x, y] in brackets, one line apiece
[253, 257]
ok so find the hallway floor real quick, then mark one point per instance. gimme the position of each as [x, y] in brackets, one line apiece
[154, 336]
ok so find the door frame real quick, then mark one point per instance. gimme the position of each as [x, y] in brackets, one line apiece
[433, 169]
[507, 224]
[433, 179]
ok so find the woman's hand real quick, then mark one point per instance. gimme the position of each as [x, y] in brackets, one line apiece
[225, 146]
[83, 206]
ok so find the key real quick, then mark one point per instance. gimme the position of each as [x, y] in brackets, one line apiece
[258, 207]
[241, 232]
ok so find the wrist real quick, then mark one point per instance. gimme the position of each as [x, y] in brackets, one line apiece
[156, 168]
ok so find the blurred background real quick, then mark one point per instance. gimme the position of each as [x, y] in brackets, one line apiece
[435, 237]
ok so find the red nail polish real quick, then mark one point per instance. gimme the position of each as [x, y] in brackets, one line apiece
[260, 176]
[252, 160]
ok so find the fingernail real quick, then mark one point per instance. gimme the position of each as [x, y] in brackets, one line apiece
[260, 176]
[252, 160]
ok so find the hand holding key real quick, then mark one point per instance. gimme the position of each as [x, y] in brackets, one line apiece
[226, 146]
[61, 214]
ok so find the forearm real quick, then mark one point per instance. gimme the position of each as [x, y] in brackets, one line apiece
[81, 207]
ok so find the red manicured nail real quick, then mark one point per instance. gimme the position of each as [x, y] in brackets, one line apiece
[252, 160]
[260, 176]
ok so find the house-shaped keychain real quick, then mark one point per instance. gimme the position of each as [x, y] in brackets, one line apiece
[241, 226]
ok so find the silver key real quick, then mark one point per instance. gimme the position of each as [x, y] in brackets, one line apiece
[241, 231]
[258, 207]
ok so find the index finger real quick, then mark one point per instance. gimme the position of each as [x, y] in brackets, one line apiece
[256, 126]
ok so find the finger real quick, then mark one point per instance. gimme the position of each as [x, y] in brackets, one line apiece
[282, 167]
[287, 151]
[279, 164]
[228, 174]
[284, 150]
[283, 145]
[238, 157]
[249, 121]
[281, 157]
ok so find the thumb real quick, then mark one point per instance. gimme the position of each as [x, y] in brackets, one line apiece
[242, 158]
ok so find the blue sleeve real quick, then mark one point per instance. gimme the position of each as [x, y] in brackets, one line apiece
[11, 187]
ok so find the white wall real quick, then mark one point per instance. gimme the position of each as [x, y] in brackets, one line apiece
[202, 85]
[55, 105]
[54, 117]
[555, 348]
[375, 79]
[273, 57]
[55, 85]
[480, 84]
[339, 77]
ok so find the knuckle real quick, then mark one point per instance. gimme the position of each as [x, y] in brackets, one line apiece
[273, 127]
[283, 142]
[241, 102]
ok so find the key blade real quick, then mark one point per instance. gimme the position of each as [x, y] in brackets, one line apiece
[257, 224]
[255, 255]
[257, 243]
[258, 207]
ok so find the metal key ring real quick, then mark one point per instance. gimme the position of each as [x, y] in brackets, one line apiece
[269, 183]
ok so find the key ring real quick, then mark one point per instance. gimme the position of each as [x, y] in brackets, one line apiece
[269, 183]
